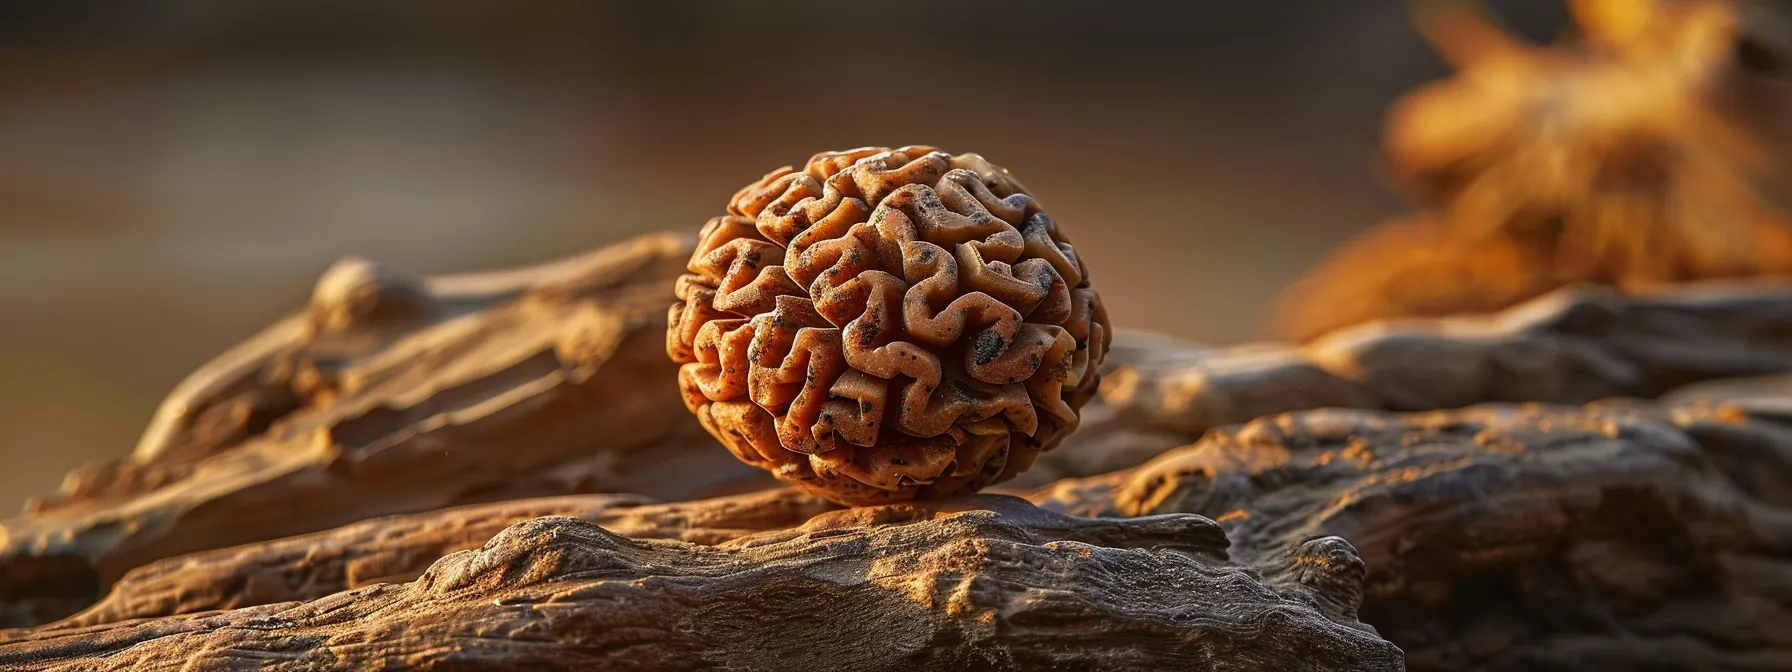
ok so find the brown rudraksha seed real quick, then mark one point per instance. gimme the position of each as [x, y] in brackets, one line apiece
[887, 324]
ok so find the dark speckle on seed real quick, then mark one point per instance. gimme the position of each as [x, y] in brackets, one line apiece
[960, 393]
[989, 345]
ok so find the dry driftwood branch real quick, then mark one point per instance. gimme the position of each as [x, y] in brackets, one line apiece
[399, 548]
[447, 392]
[387, 395]
[999, 584]
[1572, 346]
[392, 395]
[1637, 346]
[1767, 396]
[1503, 537]
[1508, 537]
[1622, 535]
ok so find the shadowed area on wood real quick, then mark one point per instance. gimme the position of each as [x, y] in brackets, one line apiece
[1621, 535]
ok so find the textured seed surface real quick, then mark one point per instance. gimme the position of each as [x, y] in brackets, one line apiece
[887, 324]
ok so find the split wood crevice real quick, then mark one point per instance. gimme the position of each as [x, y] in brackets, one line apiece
[405, 473]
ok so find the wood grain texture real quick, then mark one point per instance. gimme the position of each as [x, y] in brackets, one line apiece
[399, 548]
[1622, 535]
[304, 500]
[1612, 536]
[992, 583]
[1571, 346]
[1168, 391]
[387, 395]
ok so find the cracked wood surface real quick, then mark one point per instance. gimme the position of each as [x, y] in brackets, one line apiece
[1497, 537]
[987, 582]
[1620, 535]
[388, 394]
[399, 548]
[398, 420]
[1572, 346]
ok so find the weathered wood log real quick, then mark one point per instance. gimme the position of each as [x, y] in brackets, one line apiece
[1623, 535]
[1572, 346]
[399, 548]
[299, 568]
[387, 395]
[392, 395]
[1767, 396]
[992, 583]
[1498, 537]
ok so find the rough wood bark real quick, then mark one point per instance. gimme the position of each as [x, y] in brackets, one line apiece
[1623, 535]
[399, 548]
[389, 394]
[1613, 536]
[1572, 346]
[985, 583]
[1524, 537]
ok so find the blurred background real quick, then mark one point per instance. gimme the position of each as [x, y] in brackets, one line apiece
[174, 175]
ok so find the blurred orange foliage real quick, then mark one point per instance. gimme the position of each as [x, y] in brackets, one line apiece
[1611, 159]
